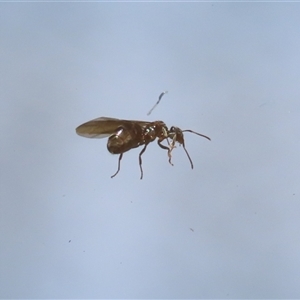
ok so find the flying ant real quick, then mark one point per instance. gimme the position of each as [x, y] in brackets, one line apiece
[124, 135]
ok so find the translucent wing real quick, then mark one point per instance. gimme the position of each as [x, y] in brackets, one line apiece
[103, 127]
[98, 128]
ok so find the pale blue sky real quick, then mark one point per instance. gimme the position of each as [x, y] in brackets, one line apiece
[233, 73]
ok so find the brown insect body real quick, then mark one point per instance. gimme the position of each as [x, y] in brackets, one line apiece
[128, 134]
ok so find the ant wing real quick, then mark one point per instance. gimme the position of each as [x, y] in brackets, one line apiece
[104, 127]
[99, 128]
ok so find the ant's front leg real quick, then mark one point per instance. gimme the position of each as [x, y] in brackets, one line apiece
[169, 149]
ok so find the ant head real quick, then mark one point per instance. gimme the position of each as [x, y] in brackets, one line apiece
[176, 134]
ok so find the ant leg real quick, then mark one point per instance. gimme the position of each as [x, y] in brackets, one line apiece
[168, 149]
[140, 160]
[120, 157]
[168, 142]
[171, 145]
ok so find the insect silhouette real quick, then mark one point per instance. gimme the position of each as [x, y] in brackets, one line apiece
[124, 135]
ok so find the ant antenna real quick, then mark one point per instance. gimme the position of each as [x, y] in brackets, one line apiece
[205, 136]
[159, 98]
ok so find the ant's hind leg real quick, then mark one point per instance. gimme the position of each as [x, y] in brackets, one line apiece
[119, 163]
